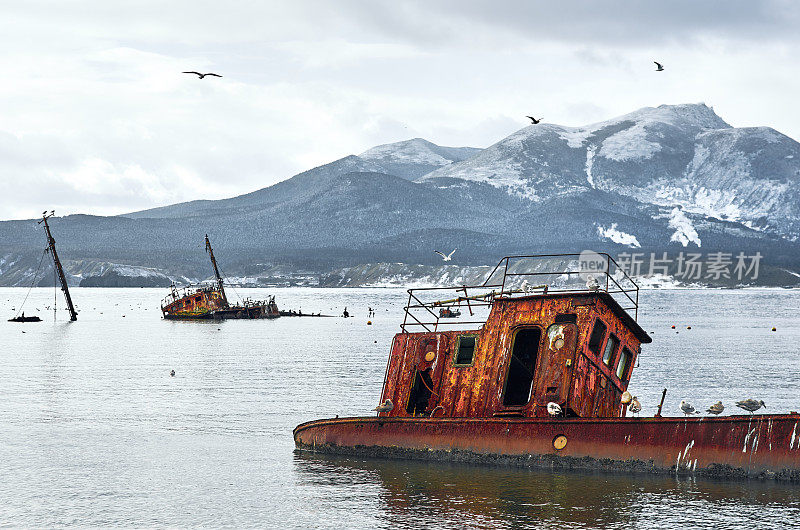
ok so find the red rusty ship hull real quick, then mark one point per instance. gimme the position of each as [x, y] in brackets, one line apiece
[761, 446]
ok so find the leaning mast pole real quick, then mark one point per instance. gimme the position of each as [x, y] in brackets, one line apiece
[216, 271]
[73, 315]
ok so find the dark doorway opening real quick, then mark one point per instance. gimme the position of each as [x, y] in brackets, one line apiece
[519, 379]
[420, 393]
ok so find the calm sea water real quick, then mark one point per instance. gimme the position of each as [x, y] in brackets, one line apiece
[95, 432]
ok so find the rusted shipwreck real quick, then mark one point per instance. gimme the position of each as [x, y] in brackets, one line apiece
[200, 302]
[571, 345]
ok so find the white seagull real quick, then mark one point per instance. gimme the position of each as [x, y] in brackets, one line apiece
[386, 406]
[687, 408]
[447, 257]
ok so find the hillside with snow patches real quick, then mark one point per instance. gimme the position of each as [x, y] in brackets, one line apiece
[675, 178]
[672, 156]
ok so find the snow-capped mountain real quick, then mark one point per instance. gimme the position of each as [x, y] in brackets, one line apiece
[416, 157]
[681, 156]
[668, 179]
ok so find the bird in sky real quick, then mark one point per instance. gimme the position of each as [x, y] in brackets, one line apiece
[750, 405]
[201, 76]
[687, 408]
[448, 257]
[554, 409]
[659, 67]
[716, 408]
[386, 406]
[635, 407]
[534, 120]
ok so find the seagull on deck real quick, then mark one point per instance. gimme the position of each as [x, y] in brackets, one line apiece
[659, 68]
[626, 398]
[554, 409]
[448, 257]
[534, 120]
[635, 407]
[750, 405]
[386, 406]
[201, 76]
[716, 408]
[592, 284]
[687, 408]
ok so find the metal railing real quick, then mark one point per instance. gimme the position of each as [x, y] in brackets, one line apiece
[520, 276]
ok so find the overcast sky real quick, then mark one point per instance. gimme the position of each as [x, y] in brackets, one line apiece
[95, 116]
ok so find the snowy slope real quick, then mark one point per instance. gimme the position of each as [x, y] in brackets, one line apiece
[671, 156]
[416, 157]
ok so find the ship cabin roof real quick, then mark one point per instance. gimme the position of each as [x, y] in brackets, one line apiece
[508, 348]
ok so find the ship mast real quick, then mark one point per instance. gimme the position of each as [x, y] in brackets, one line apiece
[73, 315]
[216, 271]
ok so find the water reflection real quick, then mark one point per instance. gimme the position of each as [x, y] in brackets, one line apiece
[421, 494]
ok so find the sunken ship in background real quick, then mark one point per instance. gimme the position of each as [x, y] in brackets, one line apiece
[210, 301]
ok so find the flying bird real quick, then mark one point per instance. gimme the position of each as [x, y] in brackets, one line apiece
[386, 406]
[202, 75]
[554, 409]
[635, 407]
[447, 257]
[659, 68]
[687, 408]
[750, 405]
[534, 120]
[716, 408]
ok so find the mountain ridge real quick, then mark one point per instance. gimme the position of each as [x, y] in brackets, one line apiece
[668, 178]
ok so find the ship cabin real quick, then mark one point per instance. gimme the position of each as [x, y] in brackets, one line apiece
[541, 329]
[193, 301]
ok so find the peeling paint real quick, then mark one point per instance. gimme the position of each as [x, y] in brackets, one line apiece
[794, 439]
[747, 438]
[686, 450]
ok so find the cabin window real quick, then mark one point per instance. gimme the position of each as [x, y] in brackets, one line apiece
[420, 393]
[597, 336]
[519, 379]
[624, 360]
[611, 349]
[465, 350]
[567, 318]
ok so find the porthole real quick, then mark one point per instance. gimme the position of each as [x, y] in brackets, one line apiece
[560, 442]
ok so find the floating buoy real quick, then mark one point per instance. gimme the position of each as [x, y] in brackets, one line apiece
[369, 322]
[673, 326]
[688, 327]
[376, 342]
[773, 329]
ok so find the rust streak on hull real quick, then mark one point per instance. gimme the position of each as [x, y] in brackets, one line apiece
[761, 446]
